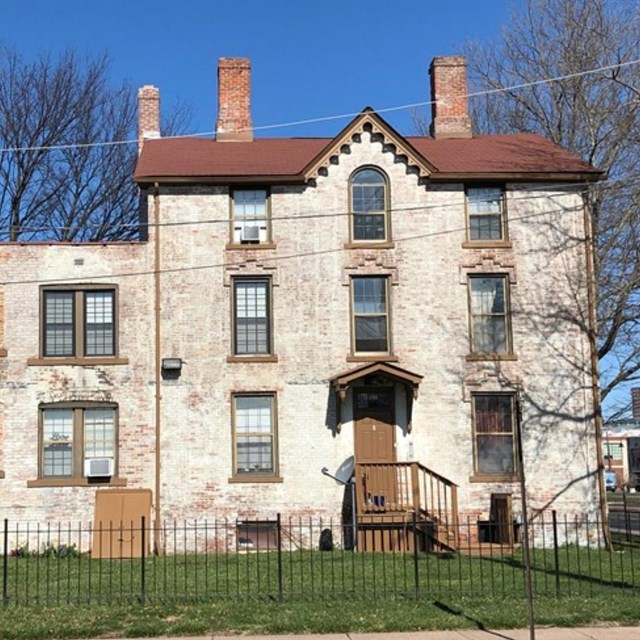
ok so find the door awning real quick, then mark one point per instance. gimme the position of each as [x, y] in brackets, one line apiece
[344, 380]
[409, 380]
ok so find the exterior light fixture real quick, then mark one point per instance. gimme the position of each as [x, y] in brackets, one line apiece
[171, 364]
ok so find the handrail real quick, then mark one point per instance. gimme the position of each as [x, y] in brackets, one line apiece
[408, 487]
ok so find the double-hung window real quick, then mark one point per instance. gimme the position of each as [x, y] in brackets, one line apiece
[370, 315]
[369, 217]
[77, 440]
[78, 322]
[490, 314]
[250, 216]
[254, 435]
[494, 434]
[252, 316]
[486, 214]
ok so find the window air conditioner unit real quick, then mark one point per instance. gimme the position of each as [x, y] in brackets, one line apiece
[98, 467]
[250, 234]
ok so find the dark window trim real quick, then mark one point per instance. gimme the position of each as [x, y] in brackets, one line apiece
[79, 323]
[491, 355]
[256, 476]
[503, 241]
[77, 477]
[366, 354]
[268, 281]
[385, 242]
[479, 476]
[233, 243]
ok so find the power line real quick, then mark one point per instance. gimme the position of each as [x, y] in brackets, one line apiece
[312, 214]
[265, 259]
[341, 116]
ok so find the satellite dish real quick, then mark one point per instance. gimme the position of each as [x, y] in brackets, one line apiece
[345, 471]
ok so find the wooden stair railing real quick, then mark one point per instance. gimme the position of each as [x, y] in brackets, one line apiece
[409, 487]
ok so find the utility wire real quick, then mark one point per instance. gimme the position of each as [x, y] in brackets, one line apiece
[311, 214]
[341, 116]
[265, 259]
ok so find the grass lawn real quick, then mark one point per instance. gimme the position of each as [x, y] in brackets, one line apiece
[316, 616]
[616, 497]
[76, 597]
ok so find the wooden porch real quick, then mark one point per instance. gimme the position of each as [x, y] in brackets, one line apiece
[394, 498]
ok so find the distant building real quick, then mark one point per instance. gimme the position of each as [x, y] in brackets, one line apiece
[621, 445]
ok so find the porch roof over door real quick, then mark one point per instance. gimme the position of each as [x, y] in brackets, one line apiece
[344, 380]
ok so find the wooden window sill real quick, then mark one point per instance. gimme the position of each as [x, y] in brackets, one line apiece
[76, 482]
[509, 477]
[491, 357]
[373, 358]
[248, 479]
[487, 244]
[231, 246]
[82, 362]
[369, 245]
[252, 358]
[3, 353]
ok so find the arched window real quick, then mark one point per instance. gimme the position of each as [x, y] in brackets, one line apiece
[369, 221]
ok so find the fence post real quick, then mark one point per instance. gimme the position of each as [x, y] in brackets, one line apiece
[416, 575]
[627, 517]
[279, 541]
[556, 551]
[143, 553]
[5, 567]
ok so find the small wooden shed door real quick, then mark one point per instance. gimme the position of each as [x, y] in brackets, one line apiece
[501, 517]
[117, 528]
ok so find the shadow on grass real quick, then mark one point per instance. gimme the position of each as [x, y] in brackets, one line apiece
[580, 578]
[476, 623]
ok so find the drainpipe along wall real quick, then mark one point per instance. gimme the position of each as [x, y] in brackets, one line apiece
[158, 365]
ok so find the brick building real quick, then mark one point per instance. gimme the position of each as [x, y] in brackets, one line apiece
[398, 305]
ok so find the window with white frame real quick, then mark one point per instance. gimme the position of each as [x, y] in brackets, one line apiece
[78, 322]
[490, 314]
[494, 427]
[250, 216]
[77, 440]
[370, 315]
[486, 214]
[254, 435]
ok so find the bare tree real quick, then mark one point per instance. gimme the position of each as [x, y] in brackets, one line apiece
[79, 190]
[597, 117]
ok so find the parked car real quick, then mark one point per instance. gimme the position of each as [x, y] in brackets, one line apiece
[610, 480]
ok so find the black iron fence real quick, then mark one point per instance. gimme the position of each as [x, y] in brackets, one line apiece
[287, 559]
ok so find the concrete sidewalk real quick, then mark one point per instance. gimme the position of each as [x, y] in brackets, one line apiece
[547, 633]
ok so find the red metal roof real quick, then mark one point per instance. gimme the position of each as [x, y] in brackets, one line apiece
[185, 158]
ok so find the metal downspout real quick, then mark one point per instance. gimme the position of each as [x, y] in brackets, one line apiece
[158, 364]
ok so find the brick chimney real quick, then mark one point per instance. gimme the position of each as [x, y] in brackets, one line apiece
[234, 100]
[635, 403]
[450, 109]
[148, 114]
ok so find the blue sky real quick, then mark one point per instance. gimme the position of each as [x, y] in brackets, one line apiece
[309, 59]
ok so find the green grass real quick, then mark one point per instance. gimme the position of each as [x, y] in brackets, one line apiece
[632, 499]
[76, 597]
[311, 574]
[305, 616]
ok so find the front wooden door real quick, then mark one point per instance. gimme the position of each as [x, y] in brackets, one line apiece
[375, 425]
[374, 415]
